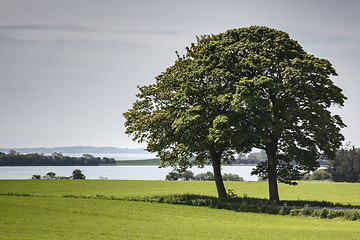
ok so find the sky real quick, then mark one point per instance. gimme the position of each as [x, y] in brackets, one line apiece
[70, 69]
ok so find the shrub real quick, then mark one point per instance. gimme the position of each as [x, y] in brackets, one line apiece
[208, 176]
[232, 194]
[50, 175]
[284, 210]
[77, 174]
[36, 176]
[306, 211]
[187, 175]
[172, 176]
[231, 177]
[323, 213]
[320, 174]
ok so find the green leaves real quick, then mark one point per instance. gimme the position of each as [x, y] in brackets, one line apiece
[247, 87]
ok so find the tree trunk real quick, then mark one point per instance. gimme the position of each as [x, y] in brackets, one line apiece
[273, 189]
[216, 163]
[271, 151]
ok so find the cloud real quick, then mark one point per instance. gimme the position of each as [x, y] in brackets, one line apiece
[77, 32]
[8, 126]
[45, 27]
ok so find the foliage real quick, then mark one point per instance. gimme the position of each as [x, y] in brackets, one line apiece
[173, 175]
[183, 175]
[240, 204]
[232, 177]
[55, 159]
[247, 87]
[285, 93]
[251, 158]
[320, 174]
[187, 175]
[77, 174]
[346, 166]
[208, 176]
[36, 176]
[50, 175]
[247, 204]
[233, 201]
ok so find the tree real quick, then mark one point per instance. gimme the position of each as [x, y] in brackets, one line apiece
[320, 174]
[187, 175]
[50, 175]
[77, 174]
[36, 176]
[346, 166]
[286, 94]
[13, 152]
[187, 116]
[87, 156]
[232, 177]
[173, 175]
[247, 87]
[208, 176]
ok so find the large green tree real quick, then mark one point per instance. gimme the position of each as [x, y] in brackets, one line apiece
[286, 93]
[187, 115]
[247, 87]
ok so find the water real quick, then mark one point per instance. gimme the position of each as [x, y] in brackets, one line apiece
[115, 172]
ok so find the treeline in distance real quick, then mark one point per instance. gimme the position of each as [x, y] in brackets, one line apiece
[14, 158]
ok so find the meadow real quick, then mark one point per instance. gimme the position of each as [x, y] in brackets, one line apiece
[46, 214]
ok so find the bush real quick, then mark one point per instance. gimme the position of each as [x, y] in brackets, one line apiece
[323, 213]
[231, 177]
[50, 175]
[187, 175]
[208, 176]
[320, 174]
[36, 176]
[242, 204]
[77, 174]
[172, 176]
[284, 210]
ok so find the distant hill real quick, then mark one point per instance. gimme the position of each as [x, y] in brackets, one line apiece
[78, 150]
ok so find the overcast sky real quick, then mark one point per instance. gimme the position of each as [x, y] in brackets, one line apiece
[69, 69]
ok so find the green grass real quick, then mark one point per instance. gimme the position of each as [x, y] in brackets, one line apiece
[345, 193]
[48, 215]
[155, 162]
[59, 218]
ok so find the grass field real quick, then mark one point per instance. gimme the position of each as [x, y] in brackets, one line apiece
[47, 215]
[347, 193]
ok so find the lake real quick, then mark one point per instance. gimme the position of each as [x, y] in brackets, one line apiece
[118, 156]
[115, 172]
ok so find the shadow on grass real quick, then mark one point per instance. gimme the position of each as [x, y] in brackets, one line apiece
[319, 209]
[258, 205]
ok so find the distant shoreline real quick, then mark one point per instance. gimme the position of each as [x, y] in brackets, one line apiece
[78, 150]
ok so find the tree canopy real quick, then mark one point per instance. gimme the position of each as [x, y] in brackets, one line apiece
[286, 94]
[230, 92]
[346, 166]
